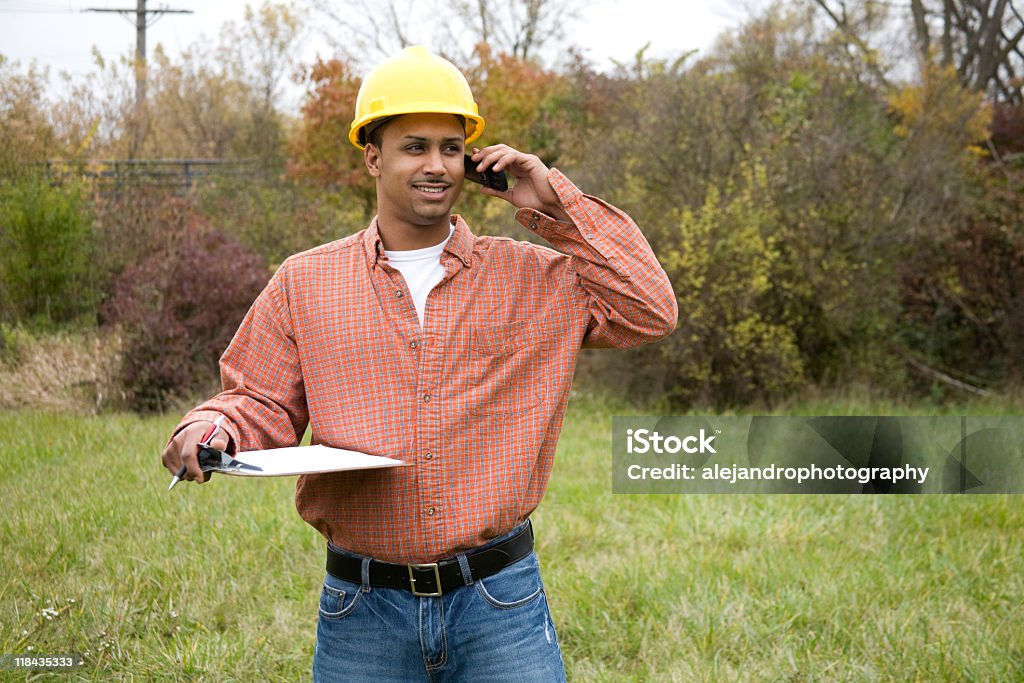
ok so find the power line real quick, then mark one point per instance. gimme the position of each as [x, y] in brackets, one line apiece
[36, 10]
[20, 7]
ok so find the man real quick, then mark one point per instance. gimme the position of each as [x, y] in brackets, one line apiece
[416, 339]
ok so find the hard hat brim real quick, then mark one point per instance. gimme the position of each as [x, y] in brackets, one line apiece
[474, 122]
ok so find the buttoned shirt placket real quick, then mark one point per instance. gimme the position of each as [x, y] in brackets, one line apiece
[425, 347]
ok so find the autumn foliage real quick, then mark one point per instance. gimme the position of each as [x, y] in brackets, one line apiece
[180, 306]
[320, 151]
[823, 225]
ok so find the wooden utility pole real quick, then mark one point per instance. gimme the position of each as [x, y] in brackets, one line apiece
[142, 21]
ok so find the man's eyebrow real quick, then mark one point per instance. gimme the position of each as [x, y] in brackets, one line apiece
[417, 138]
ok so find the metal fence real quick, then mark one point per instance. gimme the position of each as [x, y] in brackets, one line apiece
[114, 177]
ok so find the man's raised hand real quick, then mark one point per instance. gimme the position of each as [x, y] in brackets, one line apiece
[531, 189]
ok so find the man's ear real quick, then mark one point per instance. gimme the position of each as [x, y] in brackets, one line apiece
[371, 156]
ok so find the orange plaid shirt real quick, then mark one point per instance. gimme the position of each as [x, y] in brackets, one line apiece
[474, 399]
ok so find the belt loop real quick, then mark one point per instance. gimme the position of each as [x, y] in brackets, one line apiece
[467, 574]
[365, 579]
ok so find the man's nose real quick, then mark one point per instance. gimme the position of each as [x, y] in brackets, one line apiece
[433, 163]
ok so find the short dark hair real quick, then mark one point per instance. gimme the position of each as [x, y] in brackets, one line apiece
[373, 132]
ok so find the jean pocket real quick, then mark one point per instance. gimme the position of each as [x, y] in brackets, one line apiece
[338, 599]
[514, 586]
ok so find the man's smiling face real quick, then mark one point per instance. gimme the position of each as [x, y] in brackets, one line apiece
[419, 170]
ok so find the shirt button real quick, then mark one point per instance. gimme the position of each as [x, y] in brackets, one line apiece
[398, 292]
[431, 510]
[413, 345]
[428, 455]
[426, 398]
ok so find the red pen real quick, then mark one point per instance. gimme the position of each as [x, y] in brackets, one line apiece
[205, 442]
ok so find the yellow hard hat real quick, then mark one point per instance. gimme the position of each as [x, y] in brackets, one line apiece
[415, 81]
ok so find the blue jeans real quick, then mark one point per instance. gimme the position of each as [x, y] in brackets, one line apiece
[495, 629]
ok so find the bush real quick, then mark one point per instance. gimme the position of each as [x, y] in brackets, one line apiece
[963, 296]
[730, 348]
[66, 370]
[278, 217]
[179, 308]
[46, 253]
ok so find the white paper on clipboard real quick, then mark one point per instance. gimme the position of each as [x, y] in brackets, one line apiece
[283, 462]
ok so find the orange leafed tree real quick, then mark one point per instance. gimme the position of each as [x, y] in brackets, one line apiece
[319, 150]
[522, 102]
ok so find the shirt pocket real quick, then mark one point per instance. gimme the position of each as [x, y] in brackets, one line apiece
[505, 364]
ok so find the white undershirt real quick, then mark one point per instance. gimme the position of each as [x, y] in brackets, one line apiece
[421, 269]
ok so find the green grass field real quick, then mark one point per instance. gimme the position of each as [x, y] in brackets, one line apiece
[220, 582]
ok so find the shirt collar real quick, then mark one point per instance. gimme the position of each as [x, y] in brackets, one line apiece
[459, 245]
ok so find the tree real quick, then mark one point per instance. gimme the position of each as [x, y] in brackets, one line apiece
[981, 39]
[225, 100]
[519, 28]
[93, 115]
[47, 252]
[26, 134]
[204, 109]
[217, 100]
[364, 31]
[260, 53]
[262, 50]
[780, 128]
[319, 150]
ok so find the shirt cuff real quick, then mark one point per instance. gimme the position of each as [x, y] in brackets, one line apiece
[568, 195]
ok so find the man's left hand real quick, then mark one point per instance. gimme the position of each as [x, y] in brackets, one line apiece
[531, 189]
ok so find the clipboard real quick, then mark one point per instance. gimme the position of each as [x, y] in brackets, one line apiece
[295, 460]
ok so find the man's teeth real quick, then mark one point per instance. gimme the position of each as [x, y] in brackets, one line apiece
[432, 189]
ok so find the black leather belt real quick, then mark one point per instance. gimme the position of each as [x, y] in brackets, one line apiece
[435, 578]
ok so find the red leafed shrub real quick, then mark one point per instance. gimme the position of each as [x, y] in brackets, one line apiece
[179, 307]
[1008, 128]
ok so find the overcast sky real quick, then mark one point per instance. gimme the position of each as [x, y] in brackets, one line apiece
[58, 34]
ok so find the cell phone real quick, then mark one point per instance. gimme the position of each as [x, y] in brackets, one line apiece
[496, 180]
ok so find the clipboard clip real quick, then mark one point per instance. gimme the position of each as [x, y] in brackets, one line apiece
[215, 460]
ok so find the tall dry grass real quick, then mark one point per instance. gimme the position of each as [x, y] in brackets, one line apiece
[73, 371]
